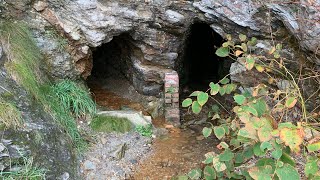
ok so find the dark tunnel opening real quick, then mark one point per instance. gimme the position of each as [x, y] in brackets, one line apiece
[200, 63]
[110, 60]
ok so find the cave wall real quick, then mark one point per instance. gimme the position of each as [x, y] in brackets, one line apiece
[158, 30]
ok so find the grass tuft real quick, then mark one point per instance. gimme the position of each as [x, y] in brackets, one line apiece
[108, 124]
[74, 98]
[28, 171]
[10, 116]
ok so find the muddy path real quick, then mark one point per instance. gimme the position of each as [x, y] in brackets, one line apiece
[169, 154]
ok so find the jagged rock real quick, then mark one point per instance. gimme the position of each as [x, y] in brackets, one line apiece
[40, 6]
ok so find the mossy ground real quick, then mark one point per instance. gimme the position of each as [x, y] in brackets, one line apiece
[108, 124]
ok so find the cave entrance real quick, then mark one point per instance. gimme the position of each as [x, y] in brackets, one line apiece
[200, 63]
[109, 80]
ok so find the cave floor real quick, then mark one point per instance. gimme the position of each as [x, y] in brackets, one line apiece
[172, 152]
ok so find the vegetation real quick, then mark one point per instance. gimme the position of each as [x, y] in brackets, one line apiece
[144, 130]
[28, 171]
[10, 116]
[23, 65]
[108, 124]
[74, 98]
[266, 126]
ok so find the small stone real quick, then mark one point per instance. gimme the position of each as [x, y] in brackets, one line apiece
[103, 140]
[40, 6]
[88, 165]
[169, 126]
[133, 161]
[199, 138]
[65, 176]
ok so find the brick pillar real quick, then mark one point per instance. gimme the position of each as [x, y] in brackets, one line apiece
[171, 92]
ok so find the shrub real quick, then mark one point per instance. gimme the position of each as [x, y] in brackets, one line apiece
[144, 130]
[107, 124]
[261, 125]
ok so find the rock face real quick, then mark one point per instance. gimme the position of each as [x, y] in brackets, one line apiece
[157, 30]
[40, 137]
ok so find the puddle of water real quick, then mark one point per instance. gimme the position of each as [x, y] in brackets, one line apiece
[111, 100]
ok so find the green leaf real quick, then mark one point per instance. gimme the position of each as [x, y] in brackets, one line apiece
[249, 64]
[277, 153]
[245, 133]
[257, 150]
[313, 147]
[224, 145]
[261, 173]
[311, 168]
[242, 37]
[292, 138]
[267, 161]
[253, 41]
[214, 88]
[286, 158]
[250, 109]
[244, 47]
[286, 125]
[209, 173]
[227, 155]
[202, 98]
[239, 99]
[287, 172]
[206, 132]
[219, 166]
[225, 80]
[248, 152]
[239, 158]
[183, 178]
[187, 102]
[195, 93]
[196, 108]
[222, 91]
[266, 145]
[208, 160]
[290, 102]
[260, 106]
[222, 52]
[219, 132]
[230, 88]
[195, 174]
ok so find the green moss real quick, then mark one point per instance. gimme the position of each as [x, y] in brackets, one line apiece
[111, 124]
